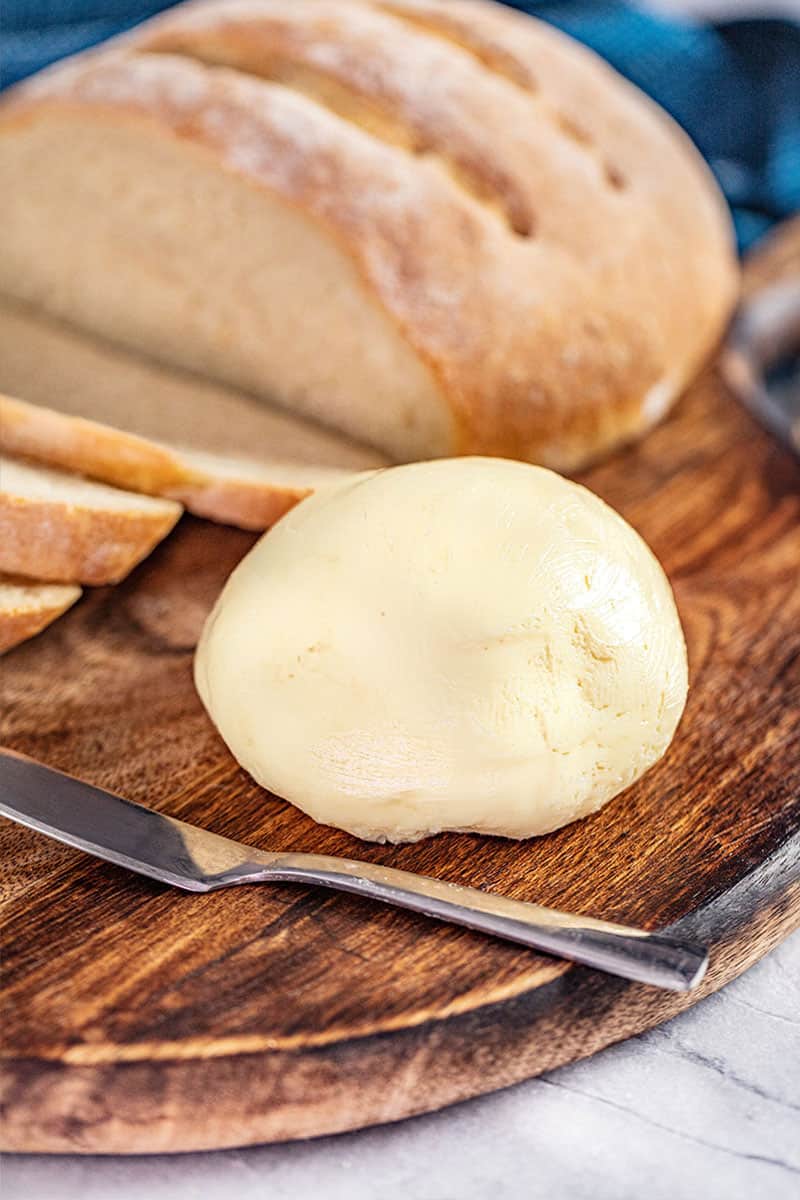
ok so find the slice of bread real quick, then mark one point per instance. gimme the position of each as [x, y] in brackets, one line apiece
[143, 427]
[27, 607]
[60, 528]
[235, 491]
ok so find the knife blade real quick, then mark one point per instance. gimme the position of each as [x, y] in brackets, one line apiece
[117, 830]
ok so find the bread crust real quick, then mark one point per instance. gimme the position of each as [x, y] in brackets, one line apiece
[241, 502]
[553, 347]
[87, 447]
[20, 621]
[59, 541]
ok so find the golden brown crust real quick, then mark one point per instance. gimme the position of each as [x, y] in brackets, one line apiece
[353, 62]
[87, 447]
[554, 346]
[22, 617]
[69, 543]
[244, 503]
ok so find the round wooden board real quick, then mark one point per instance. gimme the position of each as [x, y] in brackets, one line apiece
[138, 1018]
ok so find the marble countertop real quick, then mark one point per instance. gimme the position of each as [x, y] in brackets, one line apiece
[707, 1105]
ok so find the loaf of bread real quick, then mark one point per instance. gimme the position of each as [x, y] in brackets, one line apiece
[436, 225]
[60, 528]
[26, 608]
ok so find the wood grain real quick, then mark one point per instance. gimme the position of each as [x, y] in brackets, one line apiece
[138, 1018]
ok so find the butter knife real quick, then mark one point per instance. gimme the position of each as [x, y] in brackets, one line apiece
[171, 851]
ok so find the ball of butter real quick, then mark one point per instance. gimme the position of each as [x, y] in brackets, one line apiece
[468, 644]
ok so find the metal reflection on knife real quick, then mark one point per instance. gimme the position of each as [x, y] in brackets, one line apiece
[174, 852]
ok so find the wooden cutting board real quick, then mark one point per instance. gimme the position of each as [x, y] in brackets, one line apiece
[138, 1018]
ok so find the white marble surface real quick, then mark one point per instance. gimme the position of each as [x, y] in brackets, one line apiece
[705, 1106]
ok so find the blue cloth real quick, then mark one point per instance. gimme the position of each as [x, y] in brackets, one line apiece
[734, 87]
